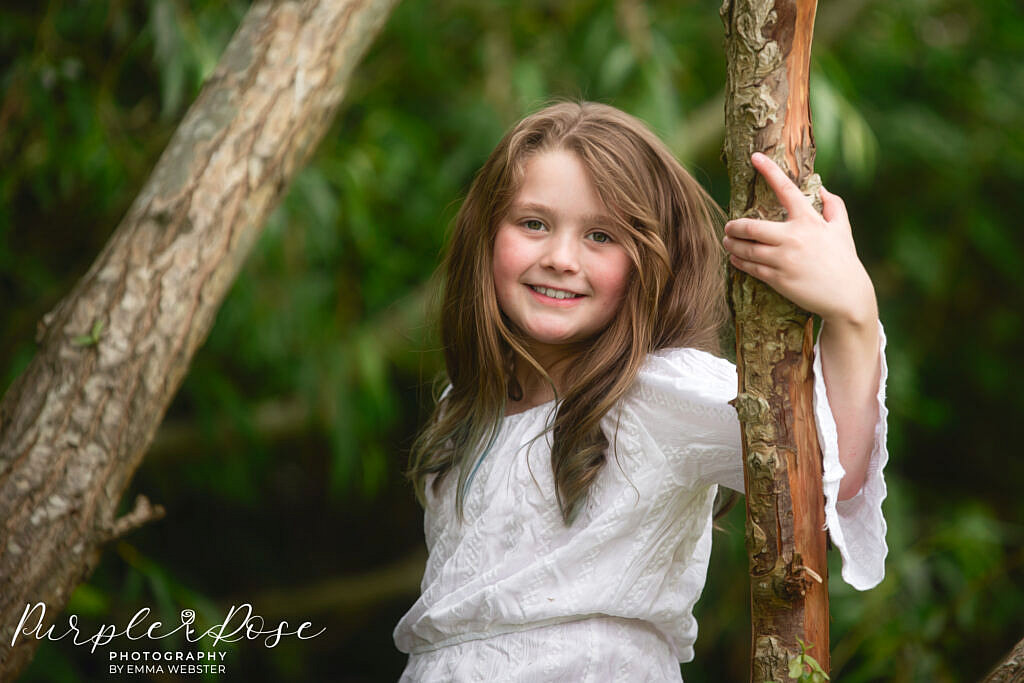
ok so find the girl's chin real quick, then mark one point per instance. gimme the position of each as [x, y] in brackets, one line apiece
[551, 339]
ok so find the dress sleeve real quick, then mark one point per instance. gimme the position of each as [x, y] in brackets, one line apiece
[682, 404]
[856, 525]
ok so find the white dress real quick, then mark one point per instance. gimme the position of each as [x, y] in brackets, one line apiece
[512, 594]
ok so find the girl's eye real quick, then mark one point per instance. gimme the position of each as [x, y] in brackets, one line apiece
[600, 237]
[533, 224]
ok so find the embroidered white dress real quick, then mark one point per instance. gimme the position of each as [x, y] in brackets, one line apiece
[512, 594]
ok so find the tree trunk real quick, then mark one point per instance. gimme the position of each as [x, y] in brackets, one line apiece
[768, 47]
[1011, 669]
[76, 424]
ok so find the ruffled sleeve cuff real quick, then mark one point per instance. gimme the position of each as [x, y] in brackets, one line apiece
[856, 525]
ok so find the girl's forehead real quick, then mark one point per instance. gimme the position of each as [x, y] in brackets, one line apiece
[555, 178]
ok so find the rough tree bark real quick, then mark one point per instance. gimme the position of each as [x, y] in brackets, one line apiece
[768, 45]
[76, 424]
[1011, 669]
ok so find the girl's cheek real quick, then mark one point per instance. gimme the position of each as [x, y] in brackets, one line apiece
[615, 277]
[619, 274]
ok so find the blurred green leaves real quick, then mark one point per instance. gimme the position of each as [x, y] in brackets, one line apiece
[950, 584]
[307, 393]
[842, 136]
[188, 41]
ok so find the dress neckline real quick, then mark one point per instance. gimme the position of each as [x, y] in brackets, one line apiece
[529, 410]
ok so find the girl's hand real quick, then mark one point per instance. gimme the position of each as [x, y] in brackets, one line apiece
[810, 259]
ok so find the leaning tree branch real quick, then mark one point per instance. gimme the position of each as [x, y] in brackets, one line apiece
[1011, 669]
[76, 424]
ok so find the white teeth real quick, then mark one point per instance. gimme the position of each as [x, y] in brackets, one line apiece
[554, 293]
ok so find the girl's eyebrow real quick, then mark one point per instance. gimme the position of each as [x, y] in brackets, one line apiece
[601, 219]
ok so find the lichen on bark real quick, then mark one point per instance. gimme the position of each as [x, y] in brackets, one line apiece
[767, 45]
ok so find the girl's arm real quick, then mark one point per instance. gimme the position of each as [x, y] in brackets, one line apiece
[811, 259]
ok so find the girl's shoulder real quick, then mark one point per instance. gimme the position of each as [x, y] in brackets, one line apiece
[681, 384]
[689, 370]
[679, 406]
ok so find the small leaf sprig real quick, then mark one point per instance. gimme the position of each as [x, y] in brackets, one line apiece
[91, 339]
[804, 668]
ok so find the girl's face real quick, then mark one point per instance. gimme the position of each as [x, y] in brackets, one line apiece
[560, 273]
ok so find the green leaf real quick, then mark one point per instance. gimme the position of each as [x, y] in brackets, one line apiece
[796, 667]
[813, 663]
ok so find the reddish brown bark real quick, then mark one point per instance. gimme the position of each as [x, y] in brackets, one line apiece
[768, 50]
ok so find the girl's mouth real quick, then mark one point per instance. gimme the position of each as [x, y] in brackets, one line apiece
[554, 293]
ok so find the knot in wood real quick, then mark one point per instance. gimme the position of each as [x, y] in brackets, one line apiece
[798, 579]
[762, 461]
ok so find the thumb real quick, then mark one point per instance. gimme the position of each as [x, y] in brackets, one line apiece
[833, 208]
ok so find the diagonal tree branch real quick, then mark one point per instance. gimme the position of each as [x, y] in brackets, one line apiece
[75, 425]
[1011, 669]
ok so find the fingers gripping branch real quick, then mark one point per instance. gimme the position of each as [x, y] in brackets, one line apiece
[796, 202]
[808, 257]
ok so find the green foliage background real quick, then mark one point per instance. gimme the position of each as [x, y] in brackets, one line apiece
[279, 462]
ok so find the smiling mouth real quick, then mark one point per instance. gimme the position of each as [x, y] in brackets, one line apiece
[555, 293]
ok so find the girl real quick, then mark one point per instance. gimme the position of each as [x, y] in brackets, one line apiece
[569, 471]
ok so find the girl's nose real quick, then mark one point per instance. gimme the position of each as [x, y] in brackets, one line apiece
[562, 254]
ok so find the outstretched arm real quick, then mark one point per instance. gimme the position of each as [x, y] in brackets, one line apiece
[811, 259]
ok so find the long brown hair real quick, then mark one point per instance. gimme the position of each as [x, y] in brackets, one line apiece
[676, 297]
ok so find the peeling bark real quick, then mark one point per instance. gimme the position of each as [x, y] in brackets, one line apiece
[76, 424]
[768, 52]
